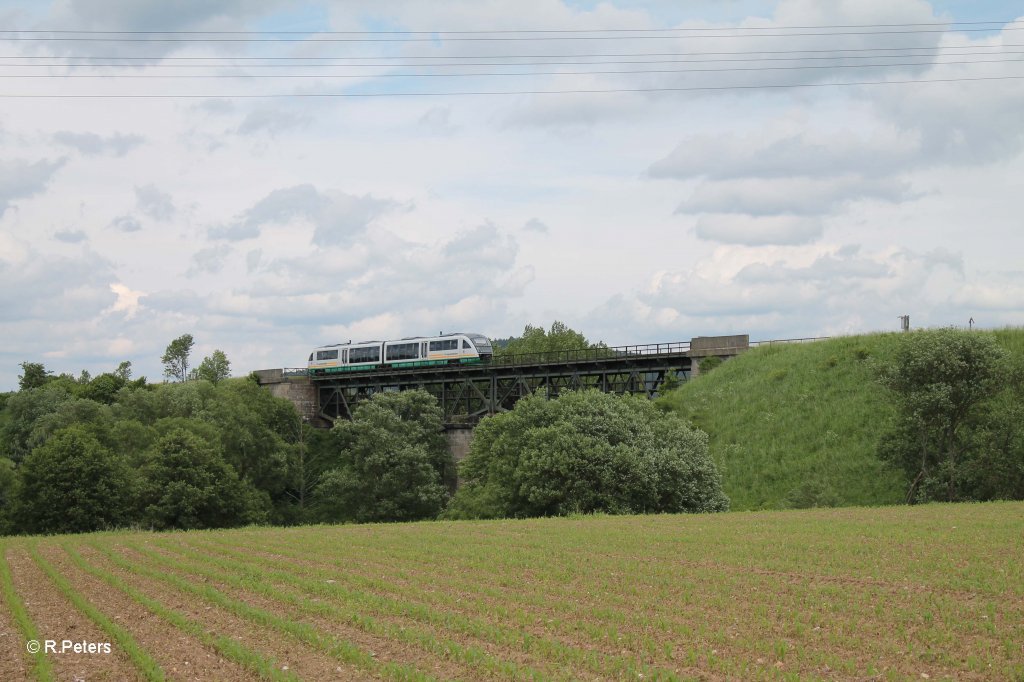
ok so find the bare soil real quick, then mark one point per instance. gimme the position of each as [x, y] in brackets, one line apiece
[57, 618]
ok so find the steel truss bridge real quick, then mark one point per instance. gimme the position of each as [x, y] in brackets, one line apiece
[466, 393]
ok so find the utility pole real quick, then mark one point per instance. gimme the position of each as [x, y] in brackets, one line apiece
[970, 323]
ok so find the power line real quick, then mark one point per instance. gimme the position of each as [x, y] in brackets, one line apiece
[518, 73]
[355, 95]
[323, 64]
[438, 38]
[547, 56]
[947, 24]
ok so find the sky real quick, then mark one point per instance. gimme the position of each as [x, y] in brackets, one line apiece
[272, 176]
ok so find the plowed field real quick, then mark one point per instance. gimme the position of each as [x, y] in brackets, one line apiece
[927, 592]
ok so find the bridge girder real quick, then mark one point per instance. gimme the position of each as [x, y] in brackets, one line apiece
[467, 394]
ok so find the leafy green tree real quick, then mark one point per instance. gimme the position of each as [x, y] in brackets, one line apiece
[23, 411]
[312, 452]
[941, 381]
[392, 463]
[175, 357]
[73, 484]
[124, 371]
[187, 484]
[586, 452]
[214, 367]
[709, 363]
[254, 430]
[535, 340]
[8, 479]
[33, 375]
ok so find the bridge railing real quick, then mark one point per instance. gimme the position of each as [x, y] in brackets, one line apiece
[599, 353]
[773, 342]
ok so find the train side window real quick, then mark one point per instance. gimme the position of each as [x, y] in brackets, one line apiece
[465, 344]
[435, 346]
[310, 357]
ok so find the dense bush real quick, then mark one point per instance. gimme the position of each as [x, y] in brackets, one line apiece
[586, 452]
[73, 484]
[246, 436]
[392, 462]
[959, 434]
[187, 484]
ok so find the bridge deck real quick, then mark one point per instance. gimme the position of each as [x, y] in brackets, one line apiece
[468, 392]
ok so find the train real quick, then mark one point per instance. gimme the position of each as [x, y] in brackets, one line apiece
[460, 348]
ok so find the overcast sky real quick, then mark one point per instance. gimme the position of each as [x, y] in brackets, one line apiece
[685, 199]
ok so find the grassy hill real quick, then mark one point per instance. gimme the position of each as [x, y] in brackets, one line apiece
[797, 425]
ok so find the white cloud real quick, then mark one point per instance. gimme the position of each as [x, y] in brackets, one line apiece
[127, 300]
[272, 121]
[802, 211]
[70, 236]
[154, 203]
[796, 195]
[737, 228]
[20, 179]
[91, 144]
[536, 225]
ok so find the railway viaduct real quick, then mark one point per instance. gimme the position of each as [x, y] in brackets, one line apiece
[466, 394]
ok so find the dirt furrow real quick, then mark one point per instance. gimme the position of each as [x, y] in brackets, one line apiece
[14, 661]
[181, 656]
[57, 619]
[381, 647]
[286, 652]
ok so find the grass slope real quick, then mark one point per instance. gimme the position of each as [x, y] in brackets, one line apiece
[797, 425]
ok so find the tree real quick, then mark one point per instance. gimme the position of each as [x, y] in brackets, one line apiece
[8, 479]
[536, 340]
[124, 371]
[392, 462]
[187, 484]
[33, 375]
[214, 368]
[175, 358]
[941, 381]
[585, 452]
[24, 410]
[72, 484]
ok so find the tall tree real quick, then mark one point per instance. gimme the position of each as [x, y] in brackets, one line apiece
[175, 358]
[392, 462]
[72, 484]
[187, 484]
[536, 340]
[33, 375]
[940, 379]
[214, 367]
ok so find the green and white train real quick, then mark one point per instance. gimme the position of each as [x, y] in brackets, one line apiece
[418, 351]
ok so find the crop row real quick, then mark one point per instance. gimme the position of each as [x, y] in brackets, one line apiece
[636, 598]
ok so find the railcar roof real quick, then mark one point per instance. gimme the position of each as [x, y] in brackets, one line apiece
[407, 338]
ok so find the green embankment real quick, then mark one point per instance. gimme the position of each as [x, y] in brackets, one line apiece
[797, 425]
